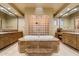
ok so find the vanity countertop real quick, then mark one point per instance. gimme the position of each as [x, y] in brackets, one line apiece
[8, 32]
[73, 32]
[5, 32]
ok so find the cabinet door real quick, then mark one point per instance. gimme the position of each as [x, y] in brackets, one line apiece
[65, 38]
[78, 42]
[6, 40]
[68, 39]
[72, 41]
[1, 43]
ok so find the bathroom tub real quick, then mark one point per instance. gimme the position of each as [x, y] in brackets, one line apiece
[34, 45]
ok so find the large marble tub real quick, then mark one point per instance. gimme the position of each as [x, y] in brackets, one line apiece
[34, 45]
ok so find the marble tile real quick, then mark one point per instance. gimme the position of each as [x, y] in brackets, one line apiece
[64, 50]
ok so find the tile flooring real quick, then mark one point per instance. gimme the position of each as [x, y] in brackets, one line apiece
[64, 50]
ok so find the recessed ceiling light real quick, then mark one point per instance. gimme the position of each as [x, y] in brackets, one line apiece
[61, 14]
[68, 9]
[10, 13]
[66, 14]
[75, 9]
[15, 13]
[1, 8]
[9, 8]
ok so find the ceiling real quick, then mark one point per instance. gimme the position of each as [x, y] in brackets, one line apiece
[9, 10]
[57, 7]
[70, 9]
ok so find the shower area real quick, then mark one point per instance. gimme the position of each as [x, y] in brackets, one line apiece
[39, 25]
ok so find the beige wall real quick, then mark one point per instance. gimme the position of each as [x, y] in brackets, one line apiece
[21, 23]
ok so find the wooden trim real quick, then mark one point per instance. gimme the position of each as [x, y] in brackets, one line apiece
[16, 9]
[65, 5]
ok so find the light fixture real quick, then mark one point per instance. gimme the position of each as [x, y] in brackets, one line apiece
[9, 8]
[15, 13]
[61, 14]
[68, 9]
[39, 11]
[66, 14]
[75, 9]
[10, 13]
[1, 8]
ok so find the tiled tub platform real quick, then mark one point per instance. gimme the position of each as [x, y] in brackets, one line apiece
[38, 45]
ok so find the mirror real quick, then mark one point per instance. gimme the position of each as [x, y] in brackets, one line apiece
[70, 20]
[8, 20]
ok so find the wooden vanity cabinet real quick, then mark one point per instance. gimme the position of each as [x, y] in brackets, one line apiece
[9, 38]
[70, 39]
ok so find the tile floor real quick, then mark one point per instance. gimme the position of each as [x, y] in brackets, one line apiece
[64, 50]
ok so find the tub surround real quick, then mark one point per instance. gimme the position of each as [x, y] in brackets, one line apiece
[38, 45]
[7, 38]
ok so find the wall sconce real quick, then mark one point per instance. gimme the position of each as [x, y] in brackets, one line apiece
[39, 11]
